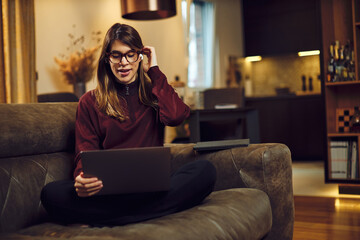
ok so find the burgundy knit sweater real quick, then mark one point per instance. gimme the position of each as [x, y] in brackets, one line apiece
[144, 128]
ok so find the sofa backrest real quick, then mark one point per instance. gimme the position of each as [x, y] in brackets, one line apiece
[36, 147]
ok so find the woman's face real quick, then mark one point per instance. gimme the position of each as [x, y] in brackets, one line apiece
[124, 71]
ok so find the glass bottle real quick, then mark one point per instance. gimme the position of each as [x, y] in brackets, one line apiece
[355, 121]
[347, 55]
[310, 84]
[331, 65]
[337, 67]
[352, 66]
[303, 79]
[341, 64]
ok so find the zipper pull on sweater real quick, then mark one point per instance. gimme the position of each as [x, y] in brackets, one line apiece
[127, 93]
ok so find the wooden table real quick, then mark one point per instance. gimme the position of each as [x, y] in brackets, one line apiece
[246, 118]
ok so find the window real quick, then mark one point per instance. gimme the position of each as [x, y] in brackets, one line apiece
[200, 34]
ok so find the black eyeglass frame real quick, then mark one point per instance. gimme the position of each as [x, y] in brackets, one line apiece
[109, 54]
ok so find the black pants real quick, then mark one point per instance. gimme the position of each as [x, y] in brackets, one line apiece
[189, 186]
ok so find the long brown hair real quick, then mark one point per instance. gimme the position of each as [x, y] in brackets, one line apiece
[107, 97]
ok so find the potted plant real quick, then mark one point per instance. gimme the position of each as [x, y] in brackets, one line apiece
[78, 67]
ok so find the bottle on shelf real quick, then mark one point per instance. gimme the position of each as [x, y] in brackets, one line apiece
[341, 65]
[346, 68]
[352, 75]
[311, 84]
[336, 63]
[303, 79]
[331, 64]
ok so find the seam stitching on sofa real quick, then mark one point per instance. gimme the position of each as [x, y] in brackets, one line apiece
[263, 168]
[237, 169]
[12, 178]
[233, 161]
[46, 170]
[41, 166]
[7, 193]
[16, 180]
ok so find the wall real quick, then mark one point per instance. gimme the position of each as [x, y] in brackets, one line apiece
[55, 20]
[228, 37]
[284, 71]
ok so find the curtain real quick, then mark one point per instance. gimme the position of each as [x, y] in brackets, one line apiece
[17, 52]
[199, 22]
[208, 17]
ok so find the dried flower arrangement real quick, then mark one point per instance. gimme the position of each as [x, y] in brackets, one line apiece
[79, 65]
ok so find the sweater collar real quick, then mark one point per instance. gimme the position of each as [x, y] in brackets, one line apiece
[128, 89]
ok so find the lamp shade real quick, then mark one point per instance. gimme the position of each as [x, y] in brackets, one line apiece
[148, 9]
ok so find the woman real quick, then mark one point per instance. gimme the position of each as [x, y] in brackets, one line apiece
[129, 108]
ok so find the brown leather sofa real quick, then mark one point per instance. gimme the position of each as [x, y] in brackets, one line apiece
[253, 196]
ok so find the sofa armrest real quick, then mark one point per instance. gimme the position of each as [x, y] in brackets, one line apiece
[266, 167]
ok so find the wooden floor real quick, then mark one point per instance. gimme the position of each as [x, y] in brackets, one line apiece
[318, 218]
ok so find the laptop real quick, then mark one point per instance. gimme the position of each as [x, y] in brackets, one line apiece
[221, 144]
[129, 170]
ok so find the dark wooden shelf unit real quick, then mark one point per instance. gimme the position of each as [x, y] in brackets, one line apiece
[340, 21]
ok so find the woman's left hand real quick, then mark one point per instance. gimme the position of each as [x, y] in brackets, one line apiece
[87, 186]
[149, 52]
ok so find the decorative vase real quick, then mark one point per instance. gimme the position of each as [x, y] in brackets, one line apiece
[79, 89]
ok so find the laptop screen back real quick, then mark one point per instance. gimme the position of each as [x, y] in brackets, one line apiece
[131, 170]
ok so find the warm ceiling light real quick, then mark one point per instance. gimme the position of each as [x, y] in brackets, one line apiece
[309, 53]
[253, 59]
[148, 9]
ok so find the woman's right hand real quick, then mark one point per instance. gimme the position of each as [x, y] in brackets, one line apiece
[86, 187]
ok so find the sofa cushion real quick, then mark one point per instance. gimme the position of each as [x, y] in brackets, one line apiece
[28, 129]
[240, 213]
[22, 179]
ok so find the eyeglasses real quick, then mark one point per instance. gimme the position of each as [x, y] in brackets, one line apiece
[116, 57]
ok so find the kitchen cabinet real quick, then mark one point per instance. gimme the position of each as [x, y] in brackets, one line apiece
[297, 121]
[281, 26]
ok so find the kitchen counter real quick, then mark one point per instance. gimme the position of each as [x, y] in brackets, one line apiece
[298, 94]
[297, 121]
